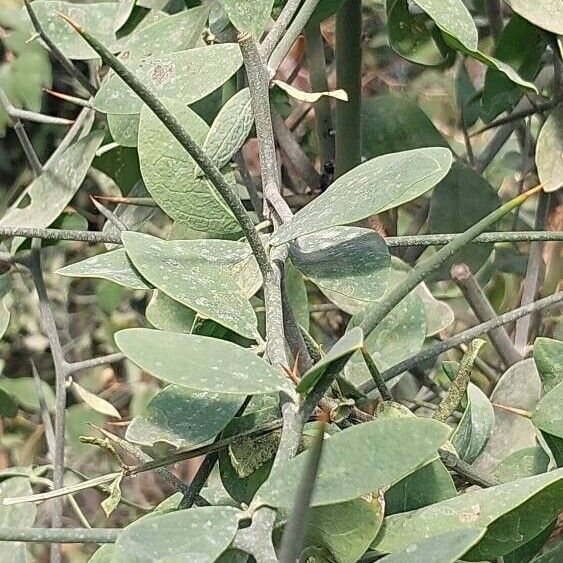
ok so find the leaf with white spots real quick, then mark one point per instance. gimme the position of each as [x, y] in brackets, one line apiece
[185, 76]
[549, 151]
[507, 511]
[200, 363]
[347, 260]
[166, 314]
[113, 266]
[199, 536]
[192, 279]
[547, 14]
[182, 417]
[249, 16]
[124, 128]
[169, 173]
[349, 468]
[229, 129]
[372, 187]
[548, 356]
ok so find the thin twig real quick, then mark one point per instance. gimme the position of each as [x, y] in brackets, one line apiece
[465, 336]
[376, 376]
[484, 311]
[463, 469]
[60, 535]
[93, 362]
[27, 147]
[109, 215]
[26, 115]
[278, 29]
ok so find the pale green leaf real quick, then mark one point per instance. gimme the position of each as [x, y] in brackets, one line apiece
[170, 174]
[547, 14]
[229, 129]
[454, 18]
[52, 191]
[351, 342]
[8, 406]
[347, 260]
[96, 18]
[185, 76]
[439, 315]
[345, 530]
[199, 536]
[548, 415]
[249, 16]
[24, 391]
[112, 501]
[310, 97]
[95, 402]
[548, 356]
[166, 314]
[182, 418]
[103, 555]
[373, 187]
[349, 469]
[549, 151]
[442, 548]
[113, 266]
[508, 512]
[522, 463]
[192, 279]
[124, 128]
[200, 362]
[4, 316]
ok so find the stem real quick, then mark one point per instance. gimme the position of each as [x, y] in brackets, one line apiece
[376, 376]
[57, 53]
[317, 76]
[349, 78]
[17, 113]
[484, 311]
[60, 535]
[93, 362]
[291, 35]
[465, 336]
[418, 274]
[184, 138]
[458, 387]
[276, 33]
[27, 147]
[198, 482]
[451, 461]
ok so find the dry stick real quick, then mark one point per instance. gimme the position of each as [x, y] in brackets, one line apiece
[458, 387]
[276, 33]
[484, 311]
[535, 271]
[324, 126]
[57, 53]
[465, 336]
[349, 78]
[294, 31]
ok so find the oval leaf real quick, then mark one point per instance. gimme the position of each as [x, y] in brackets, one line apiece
[549, 151]
[547, 14]
[199, 362]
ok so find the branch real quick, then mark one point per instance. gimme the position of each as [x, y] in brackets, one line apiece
[93, 362]
[276, 33]
[60, 535]
[17, 113]
[484, 311]
[27, 147]
[465, 336]
[376, 376]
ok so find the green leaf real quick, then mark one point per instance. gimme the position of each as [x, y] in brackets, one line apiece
[53, 190]
[345, 530]
[187, 274]
[519, 387]
[104, 554]
[454, 18]
[95, 18]
[348, 469]
[250, 16]
[427, 485]
[113, 266]
[24, 391]
[185, 76]
[439, 315]
[548, 416]
[347, 260]
[124, 128]
[8, 407]
[442, 548]
[296, 290]
[476, 425]
[499, 92]
[78, 422]
[410, 37]
[351, 342]
[554, 555]
[4, 316]
[245, 467]
[452, 210]
[522, 463]
[166, 314]
[513, 514]
[466, 96]
[393, 123]
[182, 418]
[400, 335]
[178, 536]
[230, 129]
[200, 362]
[170, 174]
[373, 187]
[548, 356]
[15, 516]
[549, 151]
[546, 14]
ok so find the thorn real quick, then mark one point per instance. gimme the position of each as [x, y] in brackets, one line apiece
[513, 410]
[71, 22]
[33, 38]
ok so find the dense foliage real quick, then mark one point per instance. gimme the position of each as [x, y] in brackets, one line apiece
[281, 281]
